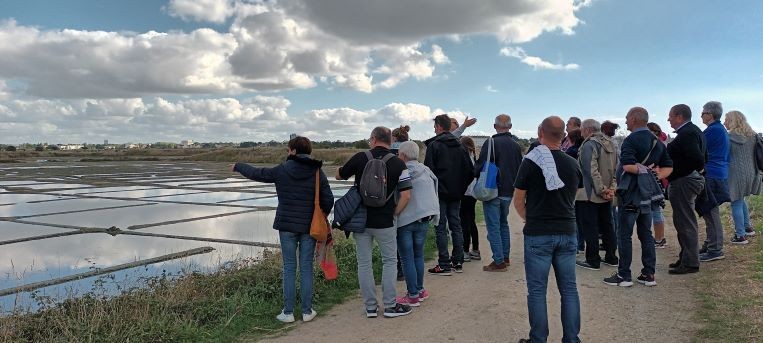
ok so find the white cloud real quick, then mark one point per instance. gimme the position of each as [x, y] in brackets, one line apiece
[215, 11]
[4, 91]
[533, 61]
[490, 89]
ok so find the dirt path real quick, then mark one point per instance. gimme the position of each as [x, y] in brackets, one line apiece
[478, 306]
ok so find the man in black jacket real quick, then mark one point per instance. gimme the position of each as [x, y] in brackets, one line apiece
[507, 157]
[688, 151]
[450, 162]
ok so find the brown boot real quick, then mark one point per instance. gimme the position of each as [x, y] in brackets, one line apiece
[492, 267]
[507, 261]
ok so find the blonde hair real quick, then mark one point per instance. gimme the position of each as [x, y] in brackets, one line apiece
[737, 123]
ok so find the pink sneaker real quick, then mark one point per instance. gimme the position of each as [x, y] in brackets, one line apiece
[412, 302]
[423, 295]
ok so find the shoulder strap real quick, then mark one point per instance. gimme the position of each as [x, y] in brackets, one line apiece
[369, 156]
[654, 143]
[387, 157]
[317, 186]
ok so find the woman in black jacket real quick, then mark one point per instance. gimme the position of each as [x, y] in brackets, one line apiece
[295, 186]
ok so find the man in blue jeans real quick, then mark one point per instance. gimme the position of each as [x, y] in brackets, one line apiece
[507, 155]
[544, 196]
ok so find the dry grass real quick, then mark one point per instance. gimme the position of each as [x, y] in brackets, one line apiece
[270, 155]
[731, 290]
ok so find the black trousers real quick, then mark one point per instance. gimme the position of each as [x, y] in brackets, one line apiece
[468, 223]
[594, 219]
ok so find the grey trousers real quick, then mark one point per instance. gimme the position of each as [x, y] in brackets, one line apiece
[387, 239]
[714, 230]
[683, 194]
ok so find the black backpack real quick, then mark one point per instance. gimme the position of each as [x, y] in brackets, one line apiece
[373, 183]
[758, 152]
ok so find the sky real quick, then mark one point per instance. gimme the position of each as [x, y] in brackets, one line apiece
[246, 70]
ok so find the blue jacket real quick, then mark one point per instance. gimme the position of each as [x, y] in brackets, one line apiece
[718, 145]
[350, 213]
[640, 190]
[295, 186]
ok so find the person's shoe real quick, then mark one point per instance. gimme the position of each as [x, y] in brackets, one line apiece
[458, 267]
[438, 271]
[306, 317]
[525, 340]
[372, 313]
[492, 267]
[475, 255]
[406, 300]
[586, 265]
[423, 295]
[711, 256]
[467, 258]
[703, 249]
[286, 318]
[646, 280]
[749, 232]
[739, 240]
[661, 244]
[616, 280]
[681, 269]
[397, 311]
[507, 261]
[611, 262]
[675, 264]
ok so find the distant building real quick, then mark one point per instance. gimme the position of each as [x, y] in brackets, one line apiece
[70, 146]
[292, 136]
[105, 142]
[186, 143]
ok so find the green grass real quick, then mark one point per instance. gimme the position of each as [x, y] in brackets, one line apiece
[731, 292]
[238, 301]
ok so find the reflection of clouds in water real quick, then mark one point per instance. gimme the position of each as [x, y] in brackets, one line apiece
[213, 197]
[253, 226]
[8, 198]
[43, 187]
[26, 209]
[11, 230]
[98, 191]
[125, 217]
[150, 193]
[26, 262]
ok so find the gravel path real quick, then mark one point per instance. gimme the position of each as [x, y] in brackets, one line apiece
[478, 306]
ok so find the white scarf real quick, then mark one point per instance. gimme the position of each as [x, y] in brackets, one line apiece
[542, 156]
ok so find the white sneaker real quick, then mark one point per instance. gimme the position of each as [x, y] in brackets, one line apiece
[306, 317]
[286, 318]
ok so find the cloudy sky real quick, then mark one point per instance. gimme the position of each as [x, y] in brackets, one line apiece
[236, 70]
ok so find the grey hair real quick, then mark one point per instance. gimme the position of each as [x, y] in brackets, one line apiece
[503, 121]
[715, 108]
[591, 124]
[409, 149]
[383, 134]
[640, 114]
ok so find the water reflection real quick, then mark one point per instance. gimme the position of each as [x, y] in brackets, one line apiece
[40, 208]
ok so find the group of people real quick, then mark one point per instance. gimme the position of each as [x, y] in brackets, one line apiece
[572, 190]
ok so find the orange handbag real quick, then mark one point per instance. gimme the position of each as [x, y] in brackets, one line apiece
[319, 227]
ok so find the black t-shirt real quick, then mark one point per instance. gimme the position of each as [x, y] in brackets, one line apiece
[398, 180]
[550, 212]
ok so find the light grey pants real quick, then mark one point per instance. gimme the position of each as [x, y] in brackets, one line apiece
[714, 230]
[387, 239]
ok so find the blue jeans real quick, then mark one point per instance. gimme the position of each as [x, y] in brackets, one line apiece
[410, 244]
[497, 222]
[290, 242]
[741, 215]
[449, 216]
[643, 222]
[542, 252]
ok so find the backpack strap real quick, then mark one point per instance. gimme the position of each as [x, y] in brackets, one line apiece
[385, 159]
[369, 156]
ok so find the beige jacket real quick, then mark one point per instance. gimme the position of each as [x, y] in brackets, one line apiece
[598, 160]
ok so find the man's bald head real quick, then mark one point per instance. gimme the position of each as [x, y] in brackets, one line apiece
[639, 114]
[552, 129]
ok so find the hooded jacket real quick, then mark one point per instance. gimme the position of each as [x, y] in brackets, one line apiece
[598, 160]
[424, 192]
[295, 186]
[450, 162]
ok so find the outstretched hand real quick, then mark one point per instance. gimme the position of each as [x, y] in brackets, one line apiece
[469, 121]
[232, 167]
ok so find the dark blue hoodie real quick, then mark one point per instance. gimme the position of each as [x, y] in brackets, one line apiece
[295, 186]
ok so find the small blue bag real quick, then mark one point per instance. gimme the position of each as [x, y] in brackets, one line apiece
[486, 187]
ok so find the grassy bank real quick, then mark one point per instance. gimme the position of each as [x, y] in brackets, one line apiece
[240, 300]
[731, 291]
[270, 155]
